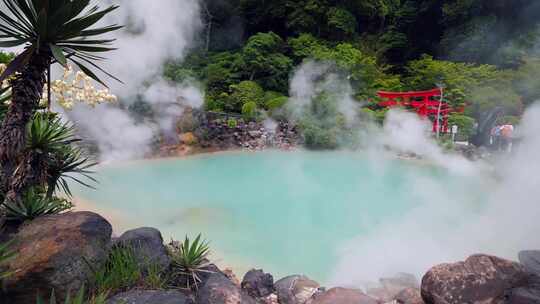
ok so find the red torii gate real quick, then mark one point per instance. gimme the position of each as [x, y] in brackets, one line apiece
[426, 104]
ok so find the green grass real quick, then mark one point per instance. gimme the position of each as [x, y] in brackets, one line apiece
[121, 271]
[79, 298]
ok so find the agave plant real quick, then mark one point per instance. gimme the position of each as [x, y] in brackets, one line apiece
[33, 205]
[48, 134]
[51, 31]
[191, 259]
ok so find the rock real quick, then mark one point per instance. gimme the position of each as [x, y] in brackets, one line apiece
[54, 252]
[340, 295]
[530, 259]
[229, 273]
[524, 295]
[295, 289]
[257, 283]
[150, 297]
[218, 289]
[390, 287]
[147, 244]
[479, 279]
[409, 296]
[188, 138]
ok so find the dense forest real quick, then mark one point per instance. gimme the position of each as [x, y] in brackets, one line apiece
[484, 52]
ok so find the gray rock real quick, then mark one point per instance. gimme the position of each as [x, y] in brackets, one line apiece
[295, 289]
[479, 279]
[340, 295]
[409, 296]
[257, 283]
[218, 289]
[150, 297]
[389, 287]
[531, 261]
[524, 295]
[147, 244]
[54, 252]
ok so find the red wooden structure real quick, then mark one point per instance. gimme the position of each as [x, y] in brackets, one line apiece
[425, 103]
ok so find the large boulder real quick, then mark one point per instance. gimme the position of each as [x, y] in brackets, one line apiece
[147, 244]
[340, 295]
[257, 283]
[57, 252]
[150, 297]
[530, 293]
[218, 289]
[295, 289]
[479, 279]
[530, 259]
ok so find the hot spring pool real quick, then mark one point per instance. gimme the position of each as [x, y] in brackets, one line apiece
[286, 212]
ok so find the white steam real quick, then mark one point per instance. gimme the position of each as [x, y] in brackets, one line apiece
[156, 31]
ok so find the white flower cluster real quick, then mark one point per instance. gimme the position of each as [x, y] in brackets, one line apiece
[76, 87]
[4, 83]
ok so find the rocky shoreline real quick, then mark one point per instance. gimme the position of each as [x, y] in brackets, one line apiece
[59, 252]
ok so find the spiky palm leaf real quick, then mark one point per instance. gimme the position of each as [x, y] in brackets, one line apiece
[69, 164]
[33, 205]
[62, 28]
[191, 259]
[48, 134]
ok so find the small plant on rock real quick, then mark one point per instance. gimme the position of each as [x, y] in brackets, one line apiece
[121, 271]
[190, 260]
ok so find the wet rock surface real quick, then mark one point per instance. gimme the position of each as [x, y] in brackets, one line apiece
[295, 289]
[479, 279]
[54, 252]
[257, 283]
[340, 295]
[218, 289]
[150, 297]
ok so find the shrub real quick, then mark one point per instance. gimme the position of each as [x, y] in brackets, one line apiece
[244, 92]
[121, 271]
[189, 260]
[249, 110]
[232, 123]
[465, 124]
[34, 204]
[276, 103]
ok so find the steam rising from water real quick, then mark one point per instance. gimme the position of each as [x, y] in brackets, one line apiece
[155, 31]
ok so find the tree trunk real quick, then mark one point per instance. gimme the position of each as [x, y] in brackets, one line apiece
[26, 91]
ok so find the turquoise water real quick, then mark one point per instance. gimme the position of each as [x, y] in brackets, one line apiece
[286, 212]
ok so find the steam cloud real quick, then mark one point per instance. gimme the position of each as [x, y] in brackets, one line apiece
[155, 31]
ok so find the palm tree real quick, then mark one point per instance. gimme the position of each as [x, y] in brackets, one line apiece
[51, 31]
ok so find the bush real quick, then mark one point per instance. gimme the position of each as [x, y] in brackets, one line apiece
[249, 111]
[276, 103]
[232, 123]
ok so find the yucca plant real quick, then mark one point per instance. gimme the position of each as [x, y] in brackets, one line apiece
[67, 164]
[51, 31]
[190, 259]
[34, 204]
[5, 254]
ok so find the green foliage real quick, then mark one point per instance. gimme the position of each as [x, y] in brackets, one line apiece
[5, 255]
[276, 103]
[121, 271]
[321, 124]
[190, 259]
[57, 28]
[509, 120]
[6, 58]
[33, 204]
[465, 124]
[232, 123]
[242, 93]
[249, 110]
[264, 60]
[79, 298]
[341, 22]
[47, 133]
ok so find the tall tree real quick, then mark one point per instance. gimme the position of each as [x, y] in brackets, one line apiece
[51, 31]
